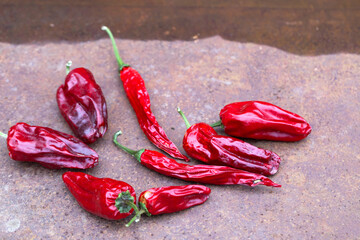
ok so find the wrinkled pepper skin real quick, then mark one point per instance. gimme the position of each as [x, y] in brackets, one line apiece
[203, 143]
[218, 175]
[173, 198]
[98, 195]
[207, 174]
[48, 147]
[262, 120]
[82, 104]
[140, 101]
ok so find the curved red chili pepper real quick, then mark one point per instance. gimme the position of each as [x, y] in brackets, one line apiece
[218, 175]
[170, 199]
[50, 148]
[82, 104]
[203, 143]
[262, 120]
[139, 99]
[104, 197]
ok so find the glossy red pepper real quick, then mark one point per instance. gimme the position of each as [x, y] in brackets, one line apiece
[82, 104]
[104, 197]
[170, 199]
[139, 99]
[218, 175]
[262, 120]
[203, 143]
[48, 147]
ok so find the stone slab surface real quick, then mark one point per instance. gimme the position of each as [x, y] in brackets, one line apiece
[319, 198]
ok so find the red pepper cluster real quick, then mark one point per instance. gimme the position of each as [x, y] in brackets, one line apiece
[228, 160]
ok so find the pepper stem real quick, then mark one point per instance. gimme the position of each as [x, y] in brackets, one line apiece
[217, 124]
[132, 205]
[184, 117]
[125, 202]
[136, 218]
[136, 154]
[3, 135]
[128, 150]
[68, 65]
[116, 51]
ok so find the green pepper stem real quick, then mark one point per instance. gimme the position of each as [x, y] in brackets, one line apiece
[116, 51]
[3, 135]
[136, 218]
[184, 117]
[217, 124]
[132, 205]
[125, 202]
[128, 150]
[136, 154]
[68, 65]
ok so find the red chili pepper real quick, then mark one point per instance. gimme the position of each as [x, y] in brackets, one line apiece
[82, 104]
[203, 143]
[139, 99]
[50, 148]
[170, 199]
[262, 120]
[218, 175]
[104, 197]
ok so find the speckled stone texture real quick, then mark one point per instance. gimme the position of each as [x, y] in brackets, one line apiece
[319, 198]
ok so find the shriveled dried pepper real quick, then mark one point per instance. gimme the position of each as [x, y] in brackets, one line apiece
[262, 120]
[170, 199]
[104, 197]
[218, 175]
[50, 148]
[139, 99]
[82, 104]
[203, 143]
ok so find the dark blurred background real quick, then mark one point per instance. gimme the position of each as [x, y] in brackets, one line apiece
[301, 27]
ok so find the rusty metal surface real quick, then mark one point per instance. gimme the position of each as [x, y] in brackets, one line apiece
[297, 26]
[319, 198]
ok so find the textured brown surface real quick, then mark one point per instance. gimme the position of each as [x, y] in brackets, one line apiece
[320, 175]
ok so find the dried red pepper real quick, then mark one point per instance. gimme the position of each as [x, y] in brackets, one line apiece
[48, 147]
[139, 99]
[82, 104]
[203, 143]
[262, 120]
[170, 199]
[218, 175]
[104, 197]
